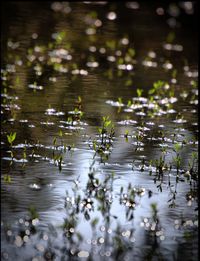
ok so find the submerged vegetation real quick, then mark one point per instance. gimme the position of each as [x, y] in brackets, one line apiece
[99, 133]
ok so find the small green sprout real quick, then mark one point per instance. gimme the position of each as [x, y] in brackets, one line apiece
[177, 147]
[94, 222]
[128, 82]
[79, 99]
[7, 178]
[120, 100]
[131, 52]
[33, 213]
[126, 135]
[60, 133]
[177, 158]
[139, 92]
[129, 103]
[11, 137]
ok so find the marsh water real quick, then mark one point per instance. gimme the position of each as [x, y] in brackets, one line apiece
[64, 67]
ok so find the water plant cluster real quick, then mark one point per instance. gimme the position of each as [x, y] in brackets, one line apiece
[95, 164]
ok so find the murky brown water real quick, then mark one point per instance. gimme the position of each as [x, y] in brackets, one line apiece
[40, 183]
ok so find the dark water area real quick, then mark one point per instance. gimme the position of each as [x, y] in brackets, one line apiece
[129, 193]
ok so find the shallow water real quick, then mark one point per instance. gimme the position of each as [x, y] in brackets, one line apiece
[40, 183]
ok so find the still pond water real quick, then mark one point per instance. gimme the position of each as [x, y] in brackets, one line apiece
[124, 186]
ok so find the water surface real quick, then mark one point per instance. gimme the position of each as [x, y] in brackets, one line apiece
[90, 69]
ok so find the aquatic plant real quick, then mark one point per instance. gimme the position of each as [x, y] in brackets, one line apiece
[24, 155]
[177, 158]
[11, 138]
[126, 135]
[139, 92]
[128, 199]
[75, 115]
[58, 157]
[193, 165]
[7, 178]
[106, 134]
[139, 138]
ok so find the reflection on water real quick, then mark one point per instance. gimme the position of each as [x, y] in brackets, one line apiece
[96, 61]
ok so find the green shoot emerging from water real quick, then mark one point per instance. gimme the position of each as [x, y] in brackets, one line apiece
[11, 137]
